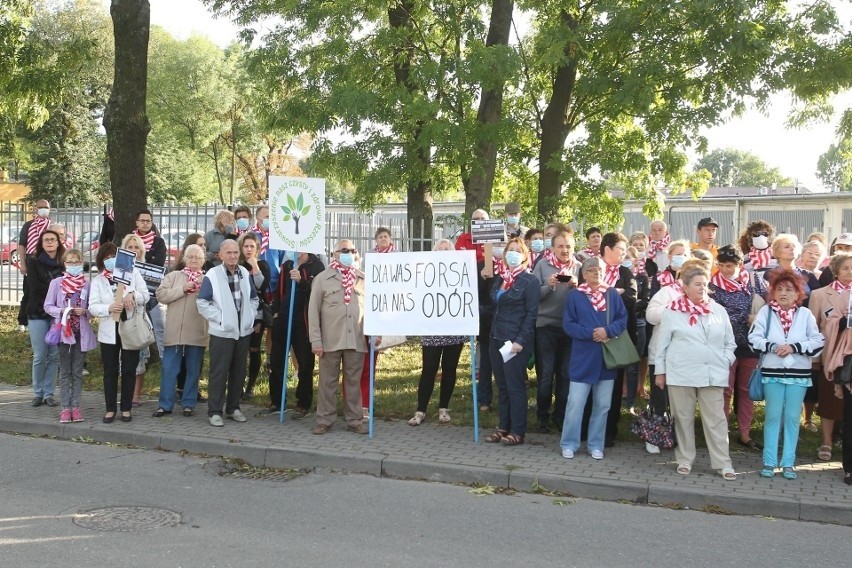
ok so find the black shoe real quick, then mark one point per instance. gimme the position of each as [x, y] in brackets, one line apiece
[109, 419]
[50, 402]
[247, 395]
[751, 444]
[126, 418]
[159, 413]
[37, 401]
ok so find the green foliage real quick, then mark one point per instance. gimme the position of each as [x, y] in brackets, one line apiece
[834, 167]
[729, 167]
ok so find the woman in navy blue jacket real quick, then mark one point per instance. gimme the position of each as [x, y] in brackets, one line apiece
[515, 295]
[586, 322]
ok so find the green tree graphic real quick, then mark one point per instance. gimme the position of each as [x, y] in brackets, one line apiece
[295, 209]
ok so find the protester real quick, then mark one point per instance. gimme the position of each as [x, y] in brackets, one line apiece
[133, 243]
[43, 266]
[438, 351]
[786, 249]
[192, 239]
[658, 246]
[637, 373]
[228, 301]
[788, 338]
[843, 243]
[258, 269]
[534, 239]
[67, 302]
[811, 259]
[639, 241]
[224, 228]
[103, 304]
[755, 243]
[706, 232]
[557, 272]
[28, 240]
[465, 240]
[514, 229]
[186, 333]
[695, 352]
[515, 296]
[593, 244]
[242, 219]
[336, 331]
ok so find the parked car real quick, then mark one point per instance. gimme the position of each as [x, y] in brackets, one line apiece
[9, 252]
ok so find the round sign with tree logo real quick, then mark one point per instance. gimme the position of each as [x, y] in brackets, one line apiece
[297, 214]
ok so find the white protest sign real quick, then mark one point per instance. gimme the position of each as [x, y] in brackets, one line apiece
[297, 214]
[421, 293]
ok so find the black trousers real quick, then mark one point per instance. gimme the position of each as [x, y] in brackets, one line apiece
[304, 357]
[847, 430]
[447, 357]
[110, 356]
[22, 309]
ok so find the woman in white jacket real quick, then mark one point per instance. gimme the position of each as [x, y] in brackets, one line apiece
[695, 350]
[102, 304]
[789, 338]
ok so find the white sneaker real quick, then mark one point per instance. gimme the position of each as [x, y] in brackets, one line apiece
[651, 448]
[23, 329]
[216, 420]
[596, 454]
[568, 454]
[85, 373]
[237, 416]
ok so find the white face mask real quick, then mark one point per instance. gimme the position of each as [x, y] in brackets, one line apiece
[43, 212]
[760, 243]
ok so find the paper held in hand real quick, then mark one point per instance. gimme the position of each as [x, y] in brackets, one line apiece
[506, 351]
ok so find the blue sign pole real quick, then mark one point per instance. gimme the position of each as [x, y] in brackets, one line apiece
[283, 408]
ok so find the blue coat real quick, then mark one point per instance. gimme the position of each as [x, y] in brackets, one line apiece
[579, 321]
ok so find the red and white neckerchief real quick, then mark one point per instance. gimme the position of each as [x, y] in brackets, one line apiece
[349, 276]
[639, 267]
[564, 268]
[592, 252]
[389, 248]
[759, 258]
[264, 239]
[786, 316]
[147, 239]
[611, 275]
[72, 284]
[687, 306]
[509, 274]
[596, 297]
[740, 284]
[838, 287]
[107, 274]
[37, 226]
[194, 276]
[655, 247]
[665, 278]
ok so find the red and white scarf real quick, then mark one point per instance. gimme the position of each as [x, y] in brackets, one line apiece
[194, 276]
[389, 248]
[840, 288]
[37, 226]
[687, 306]
[508, 274]
[349, 276]
[592, 252]
[72, 284]
[611, 275]
[107, 274]
[665, 278]
[759, 258]
[264, 239]
[786, 316]
[564, 268]
[147, 239]
[596, 297]
[740, 284]
[655, 247]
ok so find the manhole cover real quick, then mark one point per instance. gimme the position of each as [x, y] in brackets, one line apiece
[126, 519]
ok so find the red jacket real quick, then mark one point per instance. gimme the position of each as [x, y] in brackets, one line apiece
[465, 242]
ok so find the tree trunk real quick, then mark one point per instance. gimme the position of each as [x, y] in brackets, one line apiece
[555, 129]
[125, 120]
[481, 182]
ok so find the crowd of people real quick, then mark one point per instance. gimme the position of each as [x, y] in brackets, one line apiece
[702, 318]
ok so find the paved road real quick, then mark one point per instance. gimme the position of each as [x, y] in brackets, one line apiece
[324, 519]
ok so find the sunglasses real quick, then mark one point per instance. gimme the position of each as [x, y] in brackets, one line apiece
[344, 251]
[760, 234]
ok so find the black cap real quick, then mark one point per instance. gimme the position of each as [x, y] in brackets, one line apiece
[707, 221]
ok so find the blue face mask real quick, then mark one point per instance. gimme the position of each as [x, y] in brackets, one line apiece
[265, 224]
[678, 260]
[109, 264]
[513, 219]
[346, 258]
[627, 264]
[514, 258]
[548, 242]
[242, 223]
[74, 270]
[537, 245]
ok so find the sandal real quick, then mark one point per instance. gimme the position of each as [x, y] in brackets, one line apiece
[824, 453]
[767, 471]
[417, 419]
[443, 416]
[728, 474]
[789, 473]
[512, 440]
[496, 436]
[684, 469]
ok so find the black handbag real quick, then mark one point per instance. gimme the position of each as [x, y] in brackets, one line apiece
[618, 352]
[267, 315]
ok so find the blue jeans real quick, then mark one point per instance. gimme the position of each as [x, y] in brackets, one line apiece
[511, 387]
[601, 400]
[783, 403]
[172, 356]
[633, 370]
[552, 356]
[45, 358]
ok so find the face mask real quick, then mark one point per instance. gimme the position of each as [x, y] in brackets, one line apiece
[265, 224]
[513, 219]
[548, 242]
[109, 264]
[537, 245]
[242, 223]
[627, 264]
[74, 270]
[43, 211]
[760, 243]
[678, 260]
[347, 259]
[497, 252]
[514, 258]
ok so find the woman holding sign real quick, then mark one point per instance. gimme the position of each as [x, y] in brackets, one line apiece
[515, 295]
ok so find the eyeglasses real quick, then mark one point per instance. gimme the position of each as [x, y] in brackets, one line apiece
[144, 220]
[50, 240]
[344, 251]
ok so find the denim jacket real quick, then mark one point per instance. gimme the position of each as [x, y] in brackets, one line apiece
[515, 309]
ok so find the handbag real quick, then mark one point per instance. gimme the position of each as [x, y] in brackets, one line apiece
[54, 334]
[618, 352]
[655, 429]
[755, 380]
[137, 331]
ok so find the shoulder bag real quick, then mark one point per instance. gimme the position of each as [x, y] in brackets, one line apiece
[136, 331]
[755, 381]
[618, 352]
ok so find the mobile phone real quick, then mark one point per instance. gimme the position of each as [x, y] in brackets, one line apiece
[564, 277]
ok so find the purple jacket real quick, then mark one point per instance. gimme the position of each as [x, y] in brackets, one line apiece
[55, 302]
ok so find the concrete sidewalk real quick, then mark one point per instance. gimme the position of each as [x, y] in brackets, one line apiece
[448, 454]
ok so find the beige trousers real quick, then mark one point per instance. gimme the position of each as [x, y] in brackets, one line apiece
[329, 378]
[711, 403]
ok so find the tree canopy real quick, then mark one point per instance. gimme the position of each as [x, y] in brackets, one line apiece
[730, 167]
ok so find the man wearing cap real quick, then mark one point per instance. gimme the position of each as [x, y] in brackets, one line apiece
[843, 243]
[513, 221]
[707, 228]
